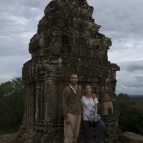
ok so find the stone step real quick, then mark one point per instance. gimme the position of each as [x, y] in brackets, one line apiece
[5, 137]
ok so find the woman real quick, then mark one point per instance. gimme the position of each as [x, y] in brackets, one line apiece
[89, 104]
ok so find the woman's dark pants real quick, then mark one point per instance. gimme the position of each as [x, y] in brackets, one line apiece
[100, 131]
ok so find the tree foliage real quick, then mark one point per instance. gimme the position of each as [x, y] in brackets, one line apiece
[131, 114]
[11, 103]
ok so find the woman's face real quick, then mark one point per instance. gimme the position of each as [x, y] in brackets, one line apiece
[88, 89]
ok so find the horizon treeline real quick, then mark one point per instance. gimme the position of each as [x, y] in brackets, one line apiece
[12, 104]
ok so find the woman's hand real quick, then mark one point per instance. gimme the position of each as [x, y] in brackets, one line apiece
[91, 119]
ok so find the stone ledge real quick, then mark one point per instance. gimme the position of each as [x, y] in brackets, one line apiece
[129, 137]
[5, 137]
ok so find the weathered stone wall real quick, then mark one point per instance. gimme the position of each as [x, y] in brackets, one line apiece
[67, 41]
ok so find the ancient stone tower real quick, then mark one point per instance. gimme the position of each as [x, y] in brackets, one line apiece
[67, 41]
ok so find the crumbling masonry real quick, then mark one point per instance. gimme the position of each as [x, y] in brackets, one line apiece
[67, 41]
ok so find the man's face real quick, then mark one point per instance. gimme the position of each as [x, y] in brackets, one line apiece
[73, 79]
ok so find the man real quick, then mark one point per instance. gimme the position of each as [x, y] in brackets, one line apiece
[72, 110]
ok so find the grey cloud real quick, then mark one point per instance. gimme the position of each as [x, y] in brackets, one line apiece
[11, 67]
[130, 78]
[36, 3]
[135, 66]
[14, 46]
[139, 78]
[131, 82]
[131, 86]
[119, 16]
[21, 9]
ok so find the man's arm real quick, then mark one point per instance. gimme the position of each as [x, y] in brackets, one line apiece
[64, 106]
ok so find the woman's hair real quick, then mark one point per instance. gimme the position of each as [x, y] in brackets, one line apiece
[86, 86]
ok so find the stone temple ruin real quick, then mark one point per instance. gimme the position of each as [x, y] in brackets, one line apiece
[67, 41]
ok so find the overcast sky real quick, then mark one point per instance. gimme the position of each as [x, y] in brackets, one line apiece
[121, 20]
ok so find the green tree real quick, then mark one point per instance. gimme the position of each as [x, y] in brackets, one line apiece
[11, 103]
[124, 97]
[131, 115]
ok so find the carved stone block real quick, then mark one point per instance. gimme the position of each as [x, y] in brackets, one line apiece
[107, 108]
